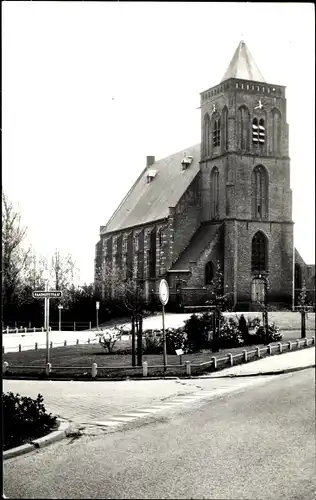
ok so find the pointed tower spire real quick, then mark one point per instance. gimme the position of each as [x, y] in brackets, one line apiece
[243, 66]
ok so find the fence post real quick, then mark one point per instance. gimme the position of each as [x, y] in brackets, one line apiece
[20, 348]
[65, 343]
[74, 326]
[7, 329]
[77, 342]
[48, 368]
[5, 366]
[25, 330]
[89, 341]
[313, 340]
[145, 369]
[89, 325]
[214, 360]
[230, 359]
[16, 330]
[51, 344]
[270, 348]
[188, 367]
[30, 325]
[94, 370]
[34, 329]
[298, 344]
[3, 349]
[280, 346]
[36, 346]
[42, 328]
[258, 351]
[245, 356]
[290, 345]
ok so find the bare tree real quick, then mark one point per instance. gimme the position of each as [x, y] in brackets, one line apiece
[62, 271]
[14, 256]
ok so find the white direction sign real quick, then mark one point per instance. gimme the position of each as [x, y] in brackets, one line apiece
[163, 292]
[44, 294]
[97, 305]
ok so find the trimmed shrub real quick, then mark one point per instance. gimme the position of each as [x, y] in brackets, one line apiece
[153, 345]
[230, 335]
[274, 335]
[24, 419]
[197, 329]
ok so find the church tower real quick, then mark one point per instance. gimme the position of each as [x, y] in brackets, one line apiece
[245, 172]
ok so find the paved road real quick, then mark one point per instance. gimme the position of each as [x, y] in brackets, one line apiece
[256, 442]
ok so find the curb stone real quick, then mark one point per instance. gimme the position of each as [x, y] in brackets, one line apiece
[260, 374]
[52, 437]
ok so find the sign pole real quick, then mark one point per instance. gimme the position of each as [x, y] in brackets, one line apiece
[164, 340]
[47, 332]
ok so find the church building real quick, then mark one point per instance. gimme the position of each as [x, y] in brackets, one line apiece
[224, 202]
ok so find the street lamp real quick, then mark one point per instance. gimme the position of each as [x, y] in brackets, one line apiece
[60, 307]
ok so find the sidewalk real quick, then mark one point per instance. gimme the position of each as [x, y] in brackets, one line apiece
[289, 361]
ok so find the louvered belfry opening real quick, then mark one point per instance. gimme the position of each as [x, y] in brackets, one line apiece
[216, 132]
[258, 132]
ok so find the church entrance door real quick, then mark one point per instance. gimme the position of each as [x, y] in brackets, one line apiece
[257, 291]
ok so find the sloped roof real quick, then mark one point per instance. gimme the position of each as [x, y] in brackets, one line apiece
[243, 66]
[145, 202]
[199, 241]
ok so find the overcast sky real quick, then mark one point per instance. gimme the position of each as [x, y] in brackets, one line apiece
[90, 89]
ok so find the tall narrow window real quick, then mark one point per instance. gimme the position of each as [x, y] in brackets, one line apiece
[255, 131]
[259, 252]
[276, 132]
[243, 123]
[216, 132]
[262, 132]
[206, 135]
[224, 132]
[260, 185]
[214, 193]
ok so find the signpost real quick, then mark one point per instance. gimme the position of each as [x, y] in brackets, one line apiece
[164, 298]
[47, 294]
[60, 307]
[97, 307]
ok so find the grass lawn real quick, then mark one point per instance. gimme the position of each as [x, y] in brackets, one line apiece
[76, 361]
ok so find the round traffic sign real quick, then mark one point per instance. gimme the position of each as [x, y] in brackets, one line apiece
[163, 292]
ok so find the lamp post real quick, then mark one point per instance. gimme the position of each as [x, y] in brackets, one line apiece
[60, 307]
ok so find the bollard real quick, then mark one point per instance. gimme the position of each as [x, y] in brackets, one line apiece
[298, 344]
[42, 328]
[25, 330]
[269, 348]
[34, 329]
[16, 330]
[7, 329]
[51, 344]
[145, 369]
[88, 341]
[89, 325]
[77, 342]
[214, 361]
[5, 366]
[188, 367]
[306, 342]
[290, 345]
[94, 370]
[258, 352]
[36, 346]
[65, 343]
[230, 359]
[20, 348]
[245, 356]
[48, 368]
[280, 346]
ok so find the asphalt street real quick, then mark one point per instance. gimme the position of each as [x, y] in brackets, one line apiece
[253, 443]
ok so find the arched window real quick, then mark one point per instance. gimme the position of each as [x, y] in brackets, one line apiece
[259, 252]
[206, 135]
[224, 129]
[216, 132]
[209, 273]
[243, 122]
[276, 132]
[214, 193]
[297, 277]
[260, 188]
